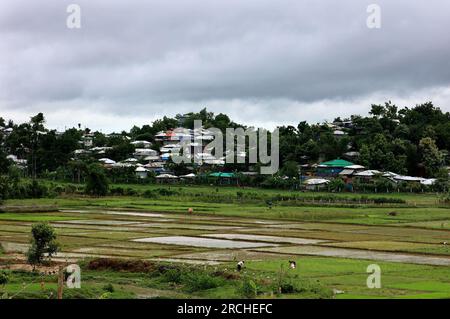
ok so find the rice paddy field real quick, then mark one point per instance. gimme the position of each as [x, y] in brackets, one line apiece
[138, 247]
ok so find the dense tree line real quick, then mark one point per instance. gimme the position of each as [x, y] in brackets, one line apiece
[414, 141]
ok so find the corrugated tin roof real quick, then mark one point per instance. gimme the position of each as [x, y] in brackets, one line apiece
[347, 172]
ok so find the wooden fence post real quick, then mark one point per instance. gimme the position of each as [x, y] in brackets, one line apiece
[60, 282]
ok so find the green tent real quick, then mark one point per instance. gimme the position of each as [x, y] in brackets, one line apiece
[336, 163]
[225, 175]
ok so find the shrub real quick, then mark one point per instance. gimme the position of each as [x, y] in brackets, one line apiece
[149, 194]
[117, 191]
[83, 293]
[70, 189]
[97, 183]
[384, 185]
[43, 243]
[248, 288]
[287, 288]
[106, 295]
[131, 192]
[108, 288]
[195, 281]
[384, 200]
[4, 278]
[336, 185]
[172, 275]
[166, 192]
[37, 190]
[287, 284]
[445, 199]
[58, 189]
[121, 265]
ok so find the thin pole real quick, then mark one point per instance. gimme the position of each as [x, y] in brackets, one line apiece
[60, 282]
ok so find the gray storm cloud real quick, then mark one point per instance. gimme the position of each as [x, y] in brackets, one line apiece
[266, 62]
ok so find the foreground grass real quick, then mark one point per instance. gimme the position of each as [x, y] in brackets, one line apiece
[315, 277]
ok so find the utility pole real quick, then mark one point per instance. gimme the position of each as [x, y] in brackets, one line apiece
[60, 282]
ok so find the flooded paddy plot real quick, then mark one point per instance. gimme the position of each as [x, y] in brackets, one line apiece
[186, 226]
[133, 245]
[77, 211]
[14, 237]
[141, 254]
[172, 232]
[244, 222]
[267, 222]
[81, 240]
[61, 231]
[138, 214]
[359, 254]
[11, 247]
[111, 235]
[434, 224]
[406, 232]
[74, 257]
[97, 213]
[269, 239]
[196, 238]
[99, 222]
[319, 226]
[312, 234]
[35, 217]
[384, 245]
[5, 228]
[152, 215]
[203, 242]
[97, 228]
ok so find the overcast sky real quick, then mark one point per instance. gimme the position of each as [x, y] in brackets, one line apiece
[264, 63]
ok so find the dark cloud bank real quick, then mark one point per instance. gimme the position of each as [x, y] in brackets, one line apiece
[262, 62]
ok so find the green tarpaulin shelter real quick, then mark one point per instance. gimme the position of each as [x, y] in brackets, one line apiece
[336, 163]
[225, 175]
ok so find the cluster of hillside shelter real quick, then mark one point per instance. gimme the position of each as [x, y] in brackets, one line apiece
[153, 158]
[319, 175]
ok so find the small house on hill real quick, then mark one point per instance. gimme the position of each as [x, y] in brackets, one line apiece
[141, 172]
[315, 183]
